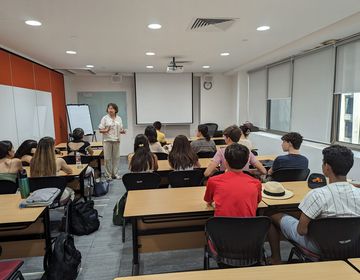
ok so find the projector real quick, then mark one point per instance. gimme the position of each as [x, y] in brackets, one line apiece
[175, 69]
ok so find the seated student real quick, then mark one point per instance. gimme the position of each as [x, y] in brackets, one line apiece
[204, 142]
[9, 166]
[234, 193]
[78, 144]
[244, 138]
[44, 163]
[160, 135]
[182, 157]
[338, 199]
[155, 146]
[291, 144]
[231, 135]
[26, 151]
[142, 160]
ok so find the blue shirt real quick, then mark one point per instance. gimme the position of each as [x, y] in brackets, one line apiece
[290, 161]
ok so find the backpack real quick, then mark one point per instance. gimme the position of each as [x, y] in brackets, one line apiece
[83, 218]
[101, 188]
[65, 260]
[118, 211]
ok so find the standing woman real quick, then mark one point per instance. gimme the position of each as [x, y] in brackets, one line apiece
[111, 127]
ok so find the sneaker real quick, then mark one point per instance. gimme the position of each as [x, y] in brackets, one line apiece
[117, 177]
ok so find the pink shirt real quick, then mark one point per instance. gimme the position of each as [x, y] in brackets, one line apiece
[219, 158]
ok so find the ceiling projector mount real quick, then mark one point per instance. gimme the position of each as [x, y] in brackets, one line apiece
[175, 66]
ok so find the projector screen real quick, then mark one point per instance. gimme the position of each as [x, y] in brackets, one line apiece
[163, 97]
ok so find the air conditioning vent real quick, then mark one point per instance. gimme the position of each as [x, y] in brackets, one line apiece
[211, 24]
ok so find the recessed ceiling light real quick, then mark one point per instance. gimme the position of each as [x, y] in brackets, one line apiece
[206, 67]
[71, 52]
[150, 53]
[149, 67]
[154, 26]
[33, 22]
[263, 28]
[89, 66]
[225, 54]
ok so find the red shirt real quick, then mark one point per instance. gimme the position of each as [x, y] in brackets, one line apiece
[235, 194]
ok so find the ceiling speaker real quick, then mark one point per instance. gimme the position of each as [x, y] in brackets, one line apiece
[116, 78]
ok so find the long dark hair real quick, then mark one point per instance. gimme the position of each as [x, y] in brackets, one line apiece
[151, 134]
[182, 155]
[204, 130]
[25, 148]
[143, 159]
[245, 130]
[5, 148]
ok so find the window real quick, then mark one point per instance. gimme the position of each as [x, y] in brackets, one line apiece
[349, 118]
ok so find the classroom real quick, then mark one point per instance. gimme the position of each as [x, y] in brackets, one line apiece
[178, 139]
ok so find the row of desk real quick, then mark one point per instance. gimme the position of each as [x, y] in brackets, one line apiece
[172, 219]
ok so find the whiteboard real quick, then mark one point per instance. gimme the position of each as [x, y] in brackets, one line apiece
[8, 129]
[164, 97]
[45, 114]
[79, 116]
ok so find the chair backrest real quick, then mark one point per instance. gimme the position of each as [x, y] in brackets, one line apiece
[162, 156]
[212, 127]
[72, 159]
[287, 174]
[337, 238]
[237, 241]
[141, 181]
[205, 154]
[8, 187]
[217, 172]
[220, 142]
[25, 163]
[187, 178]
[37, 183]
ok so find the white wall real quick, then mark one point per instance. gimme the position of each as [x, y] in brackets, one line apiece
[270, 144]
[74, 84]
[218, 104]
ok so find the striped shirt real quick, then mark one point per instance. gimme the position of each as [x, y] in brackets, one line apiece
[339, 199]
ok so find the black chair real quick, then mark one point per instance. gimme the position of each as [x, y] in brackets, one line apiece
[59, 182]
[220, 142]
[217, 172]
[236, 242]
[287, 174]
[139, 181]
[254, 152]
[162, 156]
[72, 159]
[337, 239]
[8, 187]
[25, 163]
[187, 178]
[212, 128]
[206, 154]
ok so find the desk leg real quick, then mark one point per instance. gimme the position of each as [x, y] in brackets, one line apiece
[47, 234]
[135, 268]
[82, 185]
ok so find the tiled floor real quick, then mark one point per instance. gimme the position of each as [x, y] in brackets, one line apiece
[104, 256]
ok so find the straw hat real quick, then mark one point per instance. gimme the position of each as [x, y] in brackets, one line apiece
[275, 190]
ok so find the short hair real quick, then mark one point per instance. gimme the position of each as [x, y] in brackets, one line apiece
[116, 108]
[5, 148]
[340, 159]
[294, 138]
[237, 155]
[233, 132]
[157, 125]
[151, 134]
[78, 133]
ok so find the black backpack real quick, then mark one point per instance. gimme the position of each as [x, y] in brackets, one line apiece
[118, 211]
[65, 260]
[83, 218]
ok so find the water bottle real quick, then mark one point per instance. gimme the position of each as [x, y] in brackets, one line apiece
[24, 184]
[78, 159]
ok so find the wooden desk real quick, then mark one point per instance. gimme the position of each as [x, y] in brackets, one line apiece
[97, 145]
[300, 189]
[334, 270]
[192, 138]
[165, 166]
[24, 232]
[355, 263]
[266, 157]
[167, 219]
[77, 171]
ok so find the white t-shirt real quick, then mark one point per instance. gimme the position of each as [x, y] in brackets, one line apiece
[115, 127]
[339, 199]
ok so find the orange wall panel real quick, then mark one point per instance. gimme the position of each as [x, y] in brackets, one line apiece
[5, 69]
[42, 78]
[58, 101]
[22, 71]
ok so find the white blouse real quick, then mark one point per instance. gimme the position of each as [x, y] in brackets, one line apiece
[115, 127]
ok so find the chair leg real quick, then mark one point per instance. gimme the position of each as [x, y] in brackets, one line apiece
[17, 276]
[123, 231]
[206, 259]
